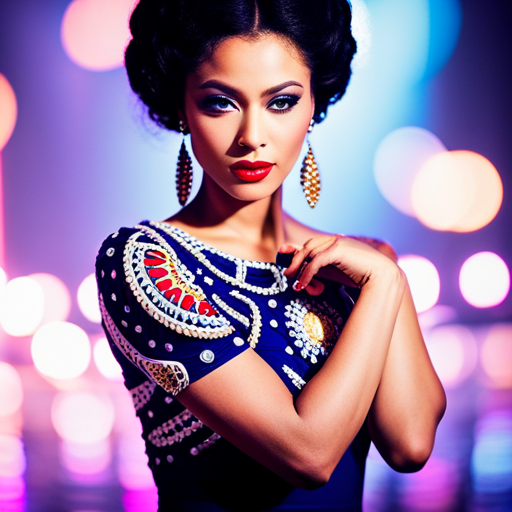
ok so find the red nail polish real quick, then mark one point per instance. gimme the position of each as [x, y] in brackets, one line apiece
[297, 286]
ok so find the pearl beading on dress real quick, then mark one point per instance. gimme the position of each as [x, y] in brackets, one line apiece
[157, 305]
[255, 315]
[296, 379]
[196, 248]
[231, 312]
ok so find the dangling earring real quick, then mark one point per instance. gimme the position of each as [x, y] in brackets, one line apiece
[183, 170]
[309, 175]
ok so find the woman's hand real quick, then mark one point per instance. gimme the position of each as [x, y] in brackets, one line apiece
[347, 260]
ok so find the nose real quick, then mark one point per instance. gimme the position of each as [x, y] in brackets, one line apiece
[252, 133]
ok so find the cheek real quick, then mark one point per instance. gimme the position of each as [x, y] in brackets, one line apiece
[209, 140]
[290, 141]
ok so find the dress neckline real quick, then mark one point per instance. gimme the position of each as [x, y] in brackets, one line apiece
[261, 277]
[167, 227]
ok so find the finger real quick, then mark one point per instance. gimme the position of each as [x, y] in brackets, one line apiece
[288, 248]
[310, 246]
[312, 267]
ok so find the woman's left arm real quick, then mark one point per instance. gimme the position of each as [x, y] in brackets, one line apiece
[410, 400]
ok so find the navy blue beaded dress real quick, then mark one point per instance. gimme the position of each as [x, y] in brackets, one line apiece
[175, 309]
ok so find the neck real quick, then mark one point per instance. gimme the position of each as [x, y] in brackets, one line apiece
[256, 222]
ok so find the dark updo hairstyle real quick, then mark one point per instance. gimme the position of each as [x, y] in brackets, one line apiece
[173, 37]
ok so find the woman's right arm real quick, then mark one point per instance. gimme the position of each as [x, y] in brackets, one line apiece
[246, 402]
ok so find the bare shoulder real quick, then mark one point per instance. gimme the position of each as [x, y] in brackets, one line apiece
[299, 233]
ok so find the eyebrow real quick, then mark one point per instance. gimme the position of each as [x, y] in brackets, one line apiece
[234, 92]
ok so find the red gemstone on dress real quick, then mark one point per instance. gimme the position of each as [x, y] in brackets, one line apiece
[157, 272]
[164, 285]
[187, 302]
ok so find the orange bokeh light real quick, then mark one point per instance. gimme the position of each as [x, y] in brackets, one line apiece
[496, 356]
[95, 33]
[398, 159]
[8, 111]
[457, 191]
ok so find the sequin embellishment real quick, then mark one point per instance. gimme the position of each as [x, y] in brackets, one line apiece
[207, 356]
[171, 375]
[296, 379]
[142, 394]
[175, 429]
[314, 326]
[205, 444]
[165, 289]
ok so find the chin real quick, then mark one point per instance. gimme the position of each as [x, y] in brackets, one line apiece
[251, 192]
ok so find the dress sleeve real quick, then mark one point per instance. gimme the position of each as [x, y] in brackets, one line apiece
[157, 316]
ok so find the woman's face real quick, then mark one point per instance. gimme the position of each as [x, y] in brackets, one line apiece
[250, 102]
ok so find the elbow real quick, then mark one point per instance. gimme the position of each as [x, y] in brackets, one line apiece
[312, 473]
[411, 457]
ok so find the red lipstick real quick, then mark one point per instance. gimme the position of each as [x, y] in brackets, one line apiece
[246, 170]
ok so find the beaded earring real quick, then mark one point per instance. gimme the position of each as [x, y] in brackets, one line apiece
[183, 169]
[309, 175]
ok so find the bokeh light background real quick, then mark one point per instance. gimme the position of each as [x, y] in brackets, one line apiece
[418, 153]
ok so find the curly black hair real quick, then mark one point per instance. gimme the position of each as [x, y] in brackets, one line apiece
[173, 37]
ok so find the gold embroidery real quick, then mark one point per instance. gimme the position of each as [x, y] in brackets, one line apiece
[172, 298]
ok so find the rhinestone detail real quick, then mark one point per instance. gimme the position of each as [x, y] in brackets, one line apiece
[196, 248]
[175, 429]
[207, 356]
[142, 394]
[296, 379]
[171, 375]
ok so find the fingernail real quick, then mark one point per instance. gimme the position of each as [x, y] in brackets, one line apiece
[297, 286]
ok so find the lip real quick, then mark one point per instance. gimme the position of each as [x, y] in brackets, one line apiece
[246, 170]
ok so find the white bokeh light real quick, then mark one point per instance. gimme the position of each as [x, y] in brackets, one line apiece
[484, 280]
[423, 279]
[11, 389]
[82, 417]
[57, 300]
[61, 350]
[3, 280]
[106, 362]
[21, 306]
[87, 297]
[85, 459]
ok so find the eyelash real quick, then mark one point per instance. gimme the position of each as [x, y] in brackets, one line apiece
[211, 103]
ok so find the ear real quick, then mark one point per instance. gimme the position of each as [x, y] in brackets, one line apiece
[181, 115]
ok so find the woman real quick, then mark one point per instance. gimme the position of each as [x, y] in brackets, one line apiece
[259, 383]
